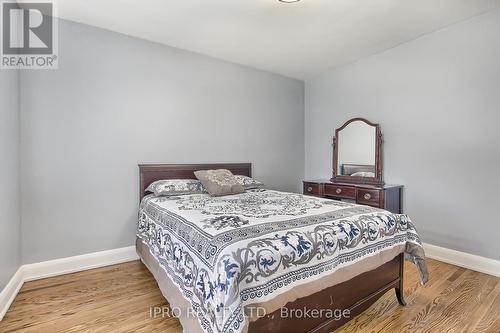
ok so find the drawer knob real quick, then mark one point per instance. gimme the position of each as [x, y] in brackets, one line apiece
[338, 191]
[309, 189]
[367, 196]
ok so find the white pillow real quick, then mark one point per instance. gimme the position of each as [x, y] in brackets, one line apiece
[363, 174]
[170, 187]
[249, 183]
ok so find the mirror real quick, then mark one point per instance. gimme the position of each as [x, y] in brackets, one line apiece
[356, 152]
[356, 155]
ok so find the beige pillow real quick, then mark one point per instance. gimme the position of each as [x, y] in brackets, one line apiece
[219, 182]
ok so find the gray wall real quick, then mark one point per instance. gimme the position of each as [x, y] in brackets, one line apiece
[117, 101]
[10, 241]
[438, 101]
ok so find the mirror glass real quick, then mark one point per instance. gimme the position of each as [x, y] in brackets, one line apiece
[356, 150]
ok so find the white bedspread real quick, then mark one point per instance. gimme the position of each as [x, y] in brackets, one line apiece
[228, 252]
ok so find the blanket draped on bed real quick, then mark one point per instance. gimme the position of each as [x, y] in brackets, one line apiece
[225, 253]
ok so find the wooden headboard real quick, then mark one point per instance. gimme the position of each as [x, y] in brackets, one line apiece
[149, 173]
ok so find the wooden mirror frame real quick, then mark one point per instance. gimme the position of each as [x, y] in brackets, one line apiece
[377, 180]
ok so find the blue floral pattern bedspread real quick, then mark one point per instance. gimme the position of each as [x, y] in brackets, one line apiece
[227, 252]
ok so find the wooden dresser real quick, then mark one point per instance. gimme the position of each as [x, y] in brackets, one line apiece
[388, 197]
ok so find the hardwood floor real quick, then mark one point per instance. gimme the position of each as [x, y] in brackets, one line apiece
[119, 298]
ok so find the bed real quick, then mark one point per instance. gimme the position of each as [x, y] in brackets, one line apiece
[262, 260]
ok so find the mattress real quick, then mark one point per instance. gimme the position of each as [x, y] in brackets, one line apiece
[227, 254]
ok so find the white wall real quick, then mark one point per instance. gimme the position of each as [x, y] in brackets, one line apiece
[117, 101]
[438, 102]
[10, 241]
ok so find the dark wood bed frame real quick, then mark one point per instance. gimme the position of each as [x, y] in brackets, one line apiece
[356, 294]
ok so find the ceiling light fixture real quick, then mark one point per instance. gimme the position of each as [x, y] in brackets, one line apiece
[288, 1]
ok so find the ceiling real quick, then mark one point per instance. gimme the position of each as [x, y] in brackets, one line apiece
[298, 40]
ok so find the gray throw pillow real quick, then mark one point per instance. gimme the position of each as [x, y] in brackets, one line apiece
[219, 182]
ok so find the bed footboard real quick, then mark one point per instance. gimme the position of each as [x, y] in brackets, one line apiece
[354, 295]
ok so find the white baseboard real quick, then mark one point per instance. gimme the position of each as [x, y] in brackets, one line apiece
[69, 265]
[10, 292]
[62, 266]
[463, 259]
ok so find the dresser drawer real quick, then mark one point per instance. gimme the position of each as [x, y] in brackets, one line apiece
[311, 189]
[340, 191]
[368, 197]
